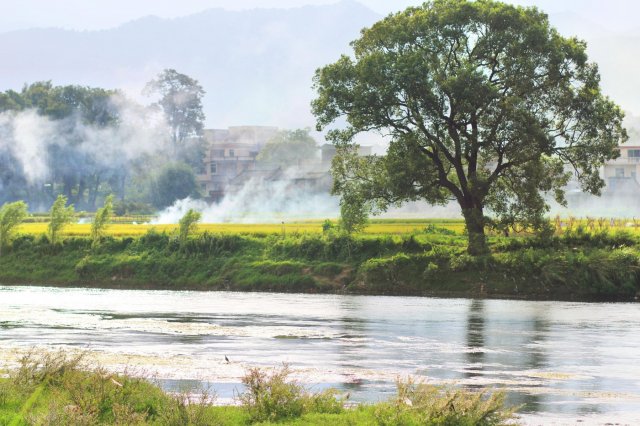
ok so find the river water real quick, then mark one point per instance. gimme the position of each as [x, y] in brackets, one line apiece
[563, 362]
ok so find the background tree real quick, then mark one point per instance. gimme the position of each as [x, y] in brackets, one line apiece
[289, 147]
[72, 169]
[180, 98]
[101, 220]
[189, 224]
[175, 181]
[11, 216]
[484, 103]
[60, 216]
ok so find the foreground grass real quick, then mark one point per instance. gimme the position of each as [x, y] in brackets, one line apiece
[57, 389]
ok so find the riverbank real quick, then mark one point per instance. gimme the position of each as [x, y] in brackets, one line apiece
[580, 266]
[58, 388]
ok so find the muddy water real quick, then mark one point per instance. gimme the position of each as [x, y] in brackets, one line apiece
[564, 362]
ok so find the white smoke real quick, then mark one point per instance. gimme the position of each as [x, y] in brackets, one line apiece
[26, 135]
[29, 135]
[259, 201]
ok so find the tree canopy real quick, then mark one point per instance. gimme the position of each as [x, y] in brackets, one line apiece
[60, 216]
[175, 181]
[180, 98]
[289, 147]
[75, 169]
[11, 216]
[483, 103]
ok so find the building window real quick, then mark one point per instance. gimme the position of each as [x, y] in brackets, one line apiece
[217, 153]
[619, 172]
[633, 153]
[232, 153]
[213, 168]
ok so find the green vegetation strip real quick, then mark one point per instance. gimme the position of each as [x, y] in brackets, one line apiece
[60, 389]
[578, 265]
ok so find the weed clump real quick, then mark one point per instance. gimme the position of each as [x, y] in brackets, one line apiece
[273, 396]
[419, 403]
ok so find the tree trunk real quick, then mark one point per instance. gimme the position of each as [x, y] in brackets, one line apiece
[474, 220]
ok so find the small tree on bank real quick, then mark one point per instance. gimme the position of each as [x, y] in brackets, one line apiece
[101, 220]
[189, 225]
[60, 216]
[11, 216]
[484, 104]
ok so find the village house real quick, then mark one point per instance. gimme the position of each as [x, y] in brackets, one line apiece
[230, 152]
[230, 162]
[622, 173]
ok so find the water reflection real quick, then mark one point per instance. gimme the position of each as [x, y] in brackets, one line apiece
[475, 338]
[351, 343]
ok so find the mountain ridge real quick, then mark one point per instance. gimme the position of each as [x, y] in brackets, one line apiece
[256, 65]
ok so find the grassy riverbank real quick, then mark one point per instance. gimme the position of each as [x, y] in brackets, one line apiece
[577, 265]
[57, 389]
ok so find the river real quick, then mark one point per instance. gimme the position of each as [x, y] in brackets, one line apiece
[563, 362]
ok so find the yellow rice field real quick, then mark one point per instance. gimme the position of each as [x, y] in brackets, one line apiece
[376, 227]
[130, 230]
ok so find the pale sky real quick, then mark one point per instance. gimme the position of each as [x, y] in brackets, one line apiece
[612, 15]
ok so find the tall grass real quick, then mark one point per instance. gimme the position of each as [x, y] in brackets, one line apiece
[62, 389]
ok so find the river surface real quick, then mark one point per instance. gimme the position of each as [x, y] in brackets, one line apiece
[563, 362]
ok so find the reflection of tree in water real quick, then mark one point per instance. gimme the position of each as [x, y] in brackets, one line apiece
[475, 338]
[532, 357]
[350, 353]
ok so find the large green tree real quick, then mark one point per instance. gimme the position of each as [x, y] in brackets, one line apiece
[180, 98]
[484, 103]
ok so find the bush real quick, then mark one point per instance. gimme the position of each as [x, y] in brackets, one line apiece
[423, 404]
[273, 396]
[74, 393]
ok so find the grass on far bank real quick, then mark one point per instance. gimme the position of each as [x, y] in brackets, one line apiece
[59, 389]
[600, 265]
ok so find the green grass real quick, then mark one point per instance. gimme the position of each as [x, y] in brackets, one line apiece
[59, 389]
[576, 265]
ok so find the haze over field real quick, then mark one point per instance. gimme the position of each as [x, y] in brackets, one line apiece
[255, 64]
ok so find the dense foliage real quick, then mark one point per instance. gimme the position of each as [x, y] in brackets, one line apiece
[86, 143]
[484, 103]
[577, 265]
[11, 216]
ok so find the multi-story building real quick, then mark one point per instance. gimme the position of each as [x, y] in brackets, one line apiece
[229, 153]
[230, 163]
[623, 172]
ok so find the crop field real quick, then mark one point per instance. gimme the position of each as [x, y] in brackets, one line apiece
[390, 226]
[375, 227]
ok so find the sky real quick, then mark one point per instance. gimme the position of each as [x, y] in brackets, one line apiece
[612, 15]
[610, 27]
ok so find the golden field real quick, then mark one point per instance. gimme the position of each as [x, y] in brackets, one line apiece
[392, 226]
[375, 227]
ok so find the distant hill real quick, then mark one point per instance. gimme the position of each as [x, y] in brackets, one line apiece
[256, 65]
